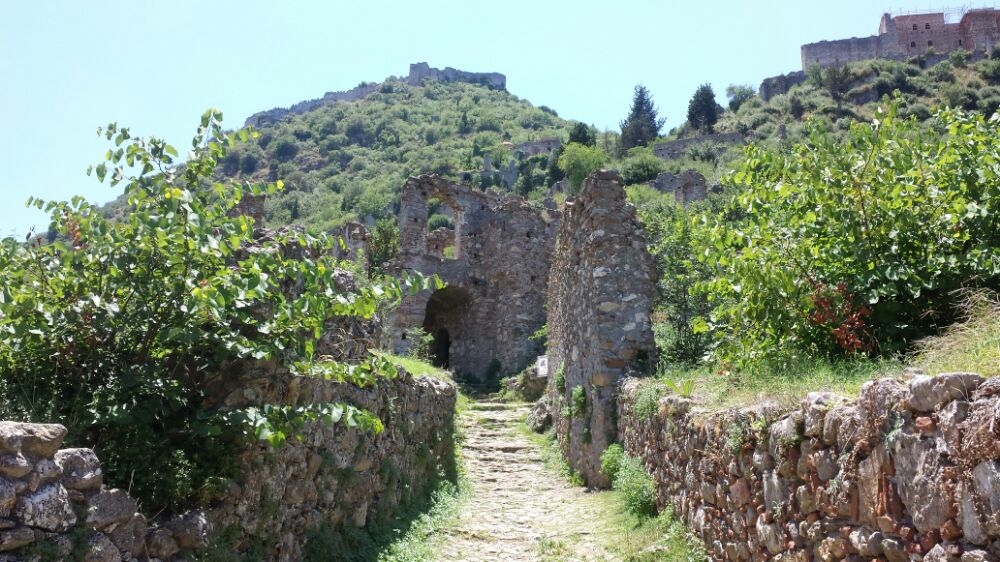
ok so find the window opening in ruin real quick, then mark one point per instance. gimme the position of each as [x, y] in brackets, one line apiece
[914, 27]
[913, 44]
[930, 43]
[927, 26]
[959, 42]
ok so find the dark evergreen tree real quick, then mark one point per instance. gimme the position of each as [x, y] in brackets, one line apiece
[642, 125]
[582, 134]
[703, 110]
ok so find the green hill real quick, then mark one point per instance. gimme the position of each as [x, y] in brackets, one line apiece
[348, 160]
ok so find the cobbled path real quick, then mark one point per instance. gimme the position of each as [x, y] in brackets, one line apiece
[519, 510]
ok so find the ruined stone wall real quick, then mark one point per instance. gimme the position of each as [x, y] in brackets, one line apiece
[781, 84]
[672, 150]
[495, 299]
[421, 71]
[908, 471]
[686, 187]
[335, 476]
[54, 500]
[601, 291]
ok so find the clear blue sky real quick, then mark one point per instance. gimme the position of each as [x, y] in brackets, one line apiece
[69, 66]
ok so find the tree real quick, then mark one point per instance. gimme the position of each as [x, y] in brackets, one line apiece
[836, 80]
[703, 110]
[118, 327]
[578, 161]
[582, 134]
[642, 124]
[738, 94]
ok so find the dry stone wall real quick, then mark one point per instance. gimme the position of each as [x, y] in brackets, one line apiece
[53, 500]
[908, 471]
[601, 291]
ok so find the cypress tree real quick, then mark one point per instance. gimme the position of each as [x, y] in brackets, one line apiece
[642, 125]
[703, 110]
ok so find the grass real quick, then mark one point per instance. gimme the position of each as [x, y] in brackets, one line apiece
[419, 368]
[631, 537]
[970, 345]
[786, 385]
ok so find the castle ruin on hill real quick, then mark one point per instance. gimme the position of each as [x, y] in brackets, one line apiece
[908, 35]
[418, 73]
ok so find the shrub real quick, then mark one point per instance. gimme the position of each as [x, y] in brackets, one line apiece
[578, 401]
[611, 460]
[834, 258]
[641, 166]
[115, 327]
[560, 379]
[647, 400]
[439, 221]
[636, 487]
[578, 161]
[285, 150]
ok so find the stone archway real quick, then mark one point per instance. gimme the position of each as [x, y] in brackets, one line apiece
[447, 318]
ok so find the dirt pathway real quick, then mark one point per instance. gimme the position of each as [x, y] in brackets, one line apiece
[519, 510]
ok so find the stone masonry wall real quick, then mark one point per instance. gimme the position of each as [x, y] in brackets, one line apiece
[601, 290]
[671, 150]
[334, 476]
[908, 471]
[495, 299]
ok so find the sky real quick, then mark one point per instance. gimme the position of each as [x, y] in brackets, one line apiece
[67, 66]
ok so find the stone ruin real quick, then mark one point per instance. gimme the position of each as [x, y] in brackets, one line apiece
[686, 187]
[601, 291]
[496, 273]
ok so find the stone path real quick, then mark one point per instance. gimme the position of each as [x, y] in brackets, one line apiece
[519, 510]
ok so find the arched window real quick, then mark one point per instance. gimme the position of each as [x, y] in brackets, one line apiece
[930, 43]
[913, 44]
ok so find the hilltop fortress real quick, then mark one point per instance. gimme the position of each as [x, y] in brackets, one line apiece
[418, 73]
[903, 36]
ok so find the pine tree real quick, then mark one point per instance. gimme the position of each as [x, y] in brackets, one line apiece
[642, 125]
[703, 110]
[582, 134]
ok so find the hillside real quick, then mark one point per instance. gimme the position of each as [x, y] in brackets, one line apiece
[348, 159]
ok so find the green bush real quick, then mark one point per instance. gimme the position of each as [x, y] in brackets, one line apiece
[560, 378]
[647, 400]
[641, 166]
[853, 245]
[611, 460]
[114, 328]
[636, 487]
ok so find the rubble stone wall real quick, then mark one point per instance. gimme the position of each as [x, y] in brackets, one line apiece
[53, 499]
[601, 291]
[908, 471]
[672, 150]
[483, 320]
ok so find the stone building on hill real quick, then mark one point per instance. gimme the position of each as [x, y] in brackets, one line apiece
[908, 35]
[496, 266]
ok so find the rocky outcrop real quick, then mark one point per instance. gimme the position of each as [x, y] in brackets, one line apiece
[908, 471]
[601, 290]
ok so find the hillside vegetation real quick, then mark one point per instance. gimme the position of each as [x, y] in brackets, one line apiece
[349, 160]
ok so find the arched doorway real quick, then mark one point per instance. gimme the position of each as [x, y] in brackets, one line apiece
[444, 319]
